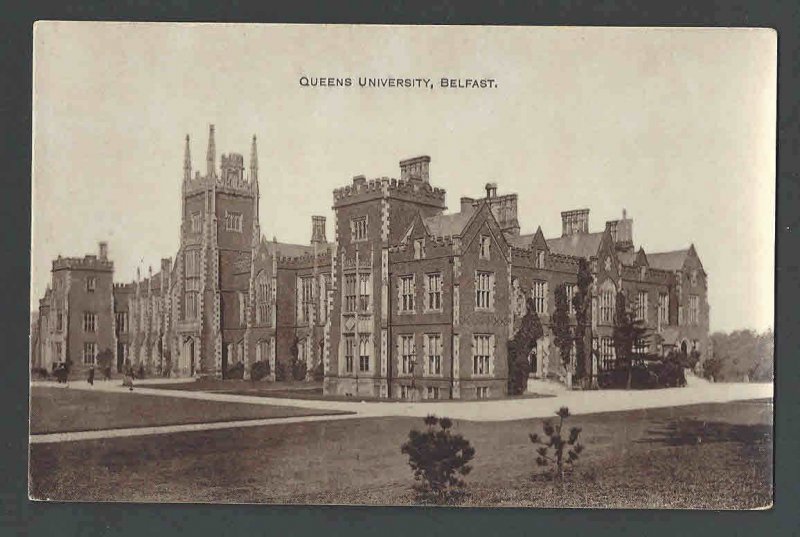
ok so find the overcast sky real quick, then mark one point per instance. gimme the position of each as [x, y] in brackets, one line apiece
[675, 125]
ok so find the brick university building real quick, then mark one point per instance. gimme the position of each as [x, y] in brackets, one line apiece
[408, 300]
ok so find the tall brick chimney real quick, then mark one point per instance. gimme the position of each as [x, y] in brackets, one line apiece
[574, 221]
[318, 229]
[415, 169]
[622, 231]
[103, 250]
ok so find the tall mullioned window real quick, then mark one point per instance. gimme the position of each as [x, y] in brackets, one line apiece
[363, 353]
[433, 348]
[122, 322]
[694, 309]
[606, 352]
[192, 271]
[539, 296]
[350, 292]
[364, 281]
[89, 322]
[59, 321]
[358, 229]
[434, 291]
[484, 282]
[641, 306]
[195, 223]
[91, 284]
[89, 353]
[263, 294]
[233, 221]
[407, 354]
[406, 291]
[663, 309]
[572, 290]
[349, 352]
[481, 354]
[607, 306]
[306, 292]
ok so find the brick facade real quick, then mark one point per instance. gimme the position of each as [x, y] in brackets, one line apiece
[407, 301]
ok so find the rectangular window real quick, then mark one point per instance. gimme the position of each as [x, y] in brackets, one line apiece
[607, 307]
[358, 229]
[89, 353]
[233, 221]
[195, 222]
[434, 291]
[432, 392]
[640, 347]
[407, 293]
[349, 352]
[641, 306]
[242, 308]
[607, 359]
[406, 392]
[485, 247]
[482, 392]
[539, 296]
[694, 309]
[363, 354]
[433, 344]
[484, 281]
[481, 354]
[350, 292]
[122, 322]
[192, 301]
[263, 289]
[572, 290]
[192, 258]
[663, 309]
[419, 248]
[89, 322]
[363, 292]
[91, 284]
[59, 321]
[407, 355]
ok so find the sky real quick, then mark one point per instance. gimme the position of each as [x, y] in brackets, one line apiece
[677, 126]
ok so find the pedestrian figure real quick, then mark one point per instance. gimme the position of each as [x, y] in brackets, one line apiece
[127, 380]
[91, 375]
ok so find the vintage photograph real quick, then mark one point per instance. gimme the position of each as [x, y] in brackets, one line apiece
[403, 265]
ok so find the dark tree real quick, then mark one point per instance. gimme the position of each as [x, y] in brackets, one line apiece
[562, 331]
[582, 302]
[438, 459]
[627, 331]
[553, 440]
[519, 348]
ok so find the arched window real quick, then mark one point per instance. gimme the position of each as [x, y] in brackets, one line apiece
[263, 297]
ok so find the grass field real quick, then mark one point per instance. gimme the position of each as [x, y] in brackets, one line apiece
[713, 456]
[64, 410]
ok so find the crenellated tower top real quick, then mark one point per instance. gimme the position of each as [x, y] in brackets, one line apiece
[231, 176]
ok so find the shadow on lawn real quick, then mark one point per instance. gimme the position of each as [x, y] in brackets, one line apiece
[690, 432]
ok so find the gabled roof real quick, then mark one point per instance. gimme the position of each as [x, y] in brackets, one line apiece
[447, 225]
[520, 241]
[668, 260]
[576, 245]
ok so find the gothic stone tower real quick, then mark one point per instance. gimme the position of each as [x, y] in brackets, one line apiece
[219, 233]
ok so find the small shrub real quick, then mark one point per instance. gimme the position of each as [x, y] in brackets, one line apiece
[438, 458]
[557, 460]
[236, 371]
[39, 373]
[259, 370]
[283, 371]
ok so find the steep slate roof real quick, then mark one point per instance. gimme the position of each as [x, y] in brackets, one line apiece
[520, 241]
[576, 245]
[668, 260]
[446, 225]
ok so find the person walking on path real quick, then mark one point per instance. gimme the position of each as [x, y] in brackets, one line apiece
[91, 375]
[127, 379]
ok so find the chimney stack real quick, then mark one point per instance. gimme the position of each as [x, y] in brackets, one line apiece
[318, 229]
[166, 264]
[467, 204]
[491, 190]
[103, 247]
[415, 169]
[575, 221]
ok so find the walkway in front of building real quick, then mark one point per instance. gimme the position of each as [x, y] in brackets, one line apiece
[578, 402]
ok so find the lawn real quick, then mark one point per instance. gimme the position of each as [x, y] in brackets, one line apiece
[64, 410]
[715, 456]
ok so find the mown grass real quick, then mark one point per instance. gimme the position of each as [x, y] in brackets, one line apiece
[65, 410]
[715, 456]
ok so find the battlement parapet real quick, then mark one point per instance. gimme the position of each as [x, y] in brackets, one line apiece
[124, 287]
[419, 190]
[304, 261]
[88, 262]
[231, 182]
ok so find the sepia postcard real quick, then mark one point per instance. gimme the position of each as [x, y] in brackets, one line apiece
[403, 265]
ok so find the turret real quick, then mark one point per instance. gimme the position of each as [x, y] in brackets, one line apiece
[318, 229]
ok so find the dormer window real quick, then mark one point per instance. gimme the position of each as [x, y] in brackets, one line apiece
[419, 249]
[485, 247]
[539, 258]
